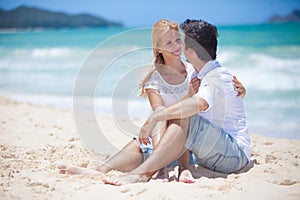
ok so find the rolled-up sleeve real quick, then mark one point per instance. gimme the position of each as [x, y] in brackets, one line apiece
[205, 93]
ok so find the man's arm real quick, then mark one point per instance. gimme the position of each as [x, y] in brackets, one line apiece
[183, 109]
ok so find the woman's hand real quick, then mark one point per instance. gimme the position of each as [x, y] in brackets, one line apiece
[239, 87]
[194, 85]
[147, 128]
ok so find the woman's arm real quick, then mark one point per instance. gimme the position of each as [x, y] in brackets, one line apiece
[154, 97]
[239, 87]
[156, 103]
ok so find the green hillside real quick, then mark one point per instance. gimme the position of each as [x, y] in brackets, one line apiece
[28, 17]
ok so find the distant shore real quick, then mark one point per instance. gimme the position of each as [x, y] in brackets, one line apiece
[32, 17]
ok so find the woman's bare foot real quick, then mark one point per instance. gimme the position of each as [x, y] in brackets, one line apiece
[125, 179]
[186, 176]
[72, 170]
[163, 175]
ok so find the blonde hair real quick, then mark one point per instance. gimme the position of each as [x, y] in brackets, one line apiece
[158, 30]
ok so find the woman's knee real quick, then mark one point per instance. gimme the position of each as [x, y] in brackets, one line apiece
[159, 129]
[133, 146]
[183, 123]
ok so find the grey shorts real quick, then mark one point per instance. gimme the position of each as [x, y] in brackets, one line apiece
[213, 147]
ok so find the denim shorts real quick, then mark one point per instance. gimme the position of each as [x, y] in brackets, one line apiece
[148, 149]
[213, 147]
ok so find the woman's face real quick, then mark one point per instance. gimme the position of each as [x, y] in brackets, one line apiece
[171, 44]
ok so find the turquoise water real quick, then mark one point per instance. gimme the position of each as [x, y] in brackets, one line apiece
[42, 66]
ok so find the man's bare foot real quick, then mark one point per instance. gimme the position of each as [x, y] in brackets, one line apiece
[185, 176]
[72, 170]
[163, 175]
[125, 179]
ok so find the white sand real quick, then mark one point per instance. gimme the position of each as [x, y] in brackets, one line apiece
[33, 138]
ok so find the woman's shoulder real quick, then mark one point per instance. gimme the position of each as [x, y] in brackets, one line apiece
[154, 74]
[154, 77]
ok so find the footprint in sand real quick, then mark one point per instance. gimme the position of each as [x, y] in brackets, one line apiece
[134, 192]
[287, 182]
[125, 190]
[270, 159]
[225, 187]
[57, 127]
[268, 143]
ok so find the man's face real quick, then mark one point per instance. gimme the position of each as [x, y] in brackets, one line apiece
[186, 52]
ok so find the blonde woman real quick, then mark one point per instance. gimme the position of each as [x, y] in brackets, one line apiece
[167, 82]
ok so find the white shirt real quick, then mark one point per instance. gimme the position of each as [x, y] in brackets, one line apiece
[225, 109]
[170, 94]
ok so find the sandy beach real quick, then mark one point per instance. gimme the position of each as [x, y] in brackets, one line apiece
[33, 139]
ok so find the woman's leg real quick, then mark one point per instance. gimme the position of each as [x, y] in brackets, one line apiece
[184, 173]
[169, 148]
[125, 160]
[72, 170]
[157, 133]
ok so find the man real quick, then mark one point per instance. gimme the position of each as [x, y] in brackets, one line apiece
[217, 134]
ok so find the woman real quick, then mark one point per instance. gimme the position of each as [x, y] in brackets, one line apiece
[167, 82]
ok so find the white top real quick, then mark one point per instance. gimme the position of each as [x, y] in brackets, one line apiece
[225, 110]
[170, 94]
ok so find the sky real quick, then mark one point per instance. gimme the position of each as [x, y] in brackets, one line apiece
[138, 13]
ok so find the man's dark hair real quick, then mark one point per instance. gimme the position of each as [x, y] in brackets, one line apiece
[202, 37]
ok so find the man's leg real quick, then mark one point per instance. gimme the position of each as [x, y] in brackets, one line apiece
[214, 148]
[169, 148]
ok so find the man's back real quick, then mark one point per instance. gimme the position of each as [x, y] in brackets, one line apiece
[225, 110]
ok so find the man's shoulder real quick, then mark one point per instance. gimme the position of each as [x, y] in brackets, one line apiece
[219, 72]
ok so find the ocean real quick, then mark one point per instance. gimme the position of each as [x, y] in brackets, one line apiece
[50, 67]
